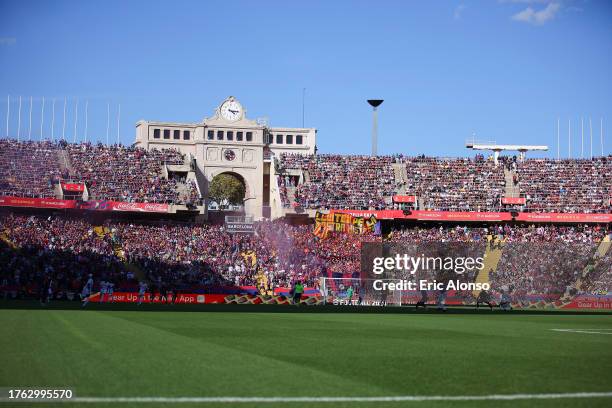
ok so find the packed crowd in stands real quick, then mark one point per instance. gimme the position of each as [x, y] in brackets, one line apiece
[334, 181]
[536, 260]
[455, 184]
[127, 174]
[38, 252]
[547, 274]
[598, 277]
[28, 169]
[364, 182]
[567, 185]
[32, 169]
[543, 260]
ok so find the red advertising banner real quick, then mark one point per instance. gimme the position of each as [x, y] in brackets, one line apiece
[101, 205]
[430, 215]
[79, 188]
[562, 217]
[590, 302]
[93, 205]
[379, 214]
[194, 298]
[514, 200]
[459, 216]
[36, 202]
[132, 297]
[409, 297]
[404, 199]
[478, 216]
[139, 207]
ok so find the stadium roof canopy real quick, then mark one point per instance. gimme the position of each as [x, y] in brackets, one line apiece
[496, 148]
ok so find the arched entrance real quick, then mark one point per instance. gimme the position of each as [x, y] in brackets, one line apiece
[228, 190]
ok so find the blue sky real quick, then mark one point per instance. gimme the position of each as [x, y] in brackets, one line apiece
[505, 70]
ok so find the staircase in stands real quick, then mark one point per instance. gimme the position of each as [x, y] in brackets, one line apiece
[512, 191]
[492, 257]
[602, 250]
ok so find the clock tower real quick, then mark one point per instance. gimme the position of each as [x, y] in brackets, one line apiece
[235, 144]
[230, 142]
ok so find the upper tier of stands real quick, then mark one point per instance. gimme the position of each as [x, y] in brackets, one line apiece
[456, 184]
[350, 182]
[118, 173]
[566, 185]
[28, 169]
[31, 169]
[126, 174]
[460, 184]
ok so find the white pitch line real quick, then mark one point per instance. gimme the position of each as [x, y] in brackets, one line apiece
[400, 398]
[587, 331]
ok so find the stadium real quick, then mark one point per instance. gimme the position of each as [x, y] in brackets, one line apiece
[222, 261]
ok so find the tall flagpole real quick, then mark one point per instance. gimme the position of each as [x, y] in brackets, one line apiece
[53, 120]
[591, 130]
[8, 113]
[118, 119]
[601, 136]
[64, 122]
[19, 120]
[303, 104]
[558, 139]
[30, 127]
[86, 108]
[107, 121]
[569, 138]
[76, 120]
[581, 137]
[42, 118]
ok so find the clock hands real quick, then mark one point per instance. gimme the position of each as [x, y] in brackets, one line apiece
[233, 111]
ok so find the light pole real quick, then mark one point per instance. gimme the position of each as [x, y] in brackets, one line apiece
[375, 103]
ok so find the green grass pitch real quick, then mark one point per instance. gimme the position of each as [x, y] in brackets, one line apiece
[153, 353]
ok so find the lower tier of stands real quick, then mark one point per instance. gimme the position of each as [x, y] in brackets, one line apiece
[537, 262]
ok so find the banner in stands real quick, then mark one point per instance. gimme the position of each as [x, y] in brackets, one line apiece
[459, 216]
[454, 298]
[560, 217]
[75, 187]
[590, 302]
[366, 215]
[514, 200]
[430, 215]
[343, 222]
[421, 215]
[36, 202]
[101, 205]
[194, 298]
[93, 205]
[239, 227]
[404, 199]
[139, 207]
[379, 214]
[130, 297]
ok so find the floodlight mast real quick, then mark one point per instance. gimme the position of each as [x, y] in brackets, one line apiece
[375, 103]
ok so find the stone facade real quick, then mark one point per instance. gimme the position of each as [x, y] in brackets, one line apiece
[229, 142]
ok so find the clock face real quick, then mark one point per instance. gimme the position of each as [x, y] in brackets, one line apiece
[230, 155]
[231, 110]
